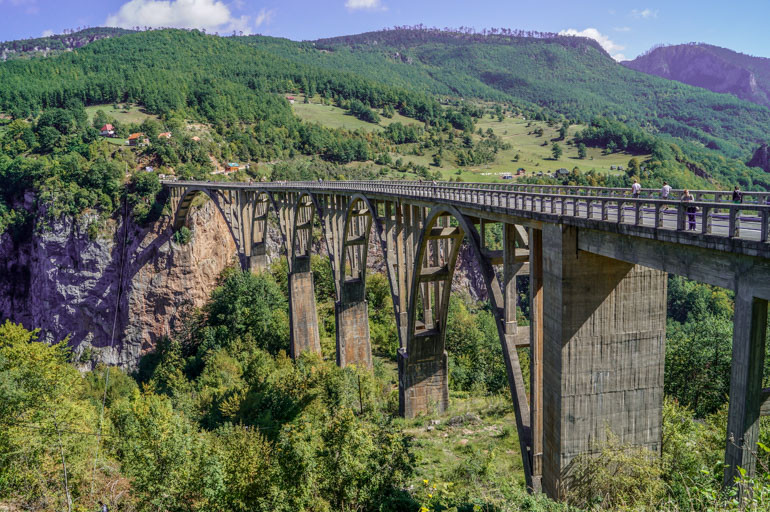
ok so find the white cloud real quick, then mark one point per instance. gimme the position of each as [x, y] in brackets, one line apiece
[622, 29]
[206, 14]
[644, 14]
[47, 33]
[610, 46]
[265, 16]
[370, 5]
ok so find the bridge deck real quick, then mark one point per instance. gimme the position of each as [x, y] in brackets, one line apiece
[720, 225]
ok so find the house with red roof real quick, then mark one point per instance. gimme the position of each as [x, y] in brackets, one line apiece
[107, 130]
[138, 139]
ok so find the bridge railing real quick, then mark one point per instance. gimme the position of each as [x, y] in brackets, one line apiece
[717, 216]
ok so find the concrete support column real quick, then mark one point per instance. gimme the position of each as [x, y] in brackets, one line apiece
[749, 332]
[423, 377]
[302, 314]
[604, 326]
[352, 316]
[257, 262]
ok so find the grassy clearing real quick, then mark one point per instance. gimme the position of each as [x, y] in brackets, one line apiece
[134, 114]
[471, 451]
[533, 156]
[335, 117]
[474, 443]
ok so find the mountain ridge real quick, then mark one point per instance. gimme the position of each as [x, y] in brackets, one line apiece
[711, 67]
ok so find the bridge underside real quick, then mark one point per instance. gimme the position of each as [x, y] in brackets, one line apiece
[596, 338]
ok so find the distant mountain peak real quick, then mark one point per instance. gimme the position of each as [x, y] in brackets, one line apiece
[711, 67]
[44, 46]
[405, 36]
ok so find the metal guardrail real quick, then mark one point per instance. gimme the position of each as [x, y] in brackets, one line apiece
[718, 217]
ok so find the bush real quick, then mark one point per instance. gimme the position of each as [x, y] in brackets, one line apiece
[616, 476]
[183, 235]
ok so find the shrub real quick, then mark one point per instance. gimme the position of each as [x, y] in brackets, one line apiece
[183, 235]
[616, 475]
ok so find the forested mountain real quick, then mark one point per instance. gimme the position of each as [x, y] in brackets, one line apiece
[711, 67]
[547, 75]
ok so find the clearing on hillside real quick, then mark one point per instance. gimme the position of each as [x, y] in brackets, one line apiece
[132, 114]
[335, 117]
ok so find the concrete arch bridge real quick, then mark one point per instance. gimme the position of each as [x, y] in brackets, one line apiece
[597, 260]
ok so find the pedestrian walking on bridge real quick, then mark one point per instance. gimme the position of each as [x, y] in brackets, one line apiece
[636, 189]
[665, 190]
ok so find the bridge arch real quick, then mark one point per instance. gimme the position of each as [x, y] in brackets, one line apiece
[359, 219]
[298, 217]
[351, 309]
[300, 231]
[184, 204]
[263, 203]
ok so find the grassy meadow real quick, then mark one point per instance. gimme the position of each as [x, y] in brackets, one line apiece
[532, 154]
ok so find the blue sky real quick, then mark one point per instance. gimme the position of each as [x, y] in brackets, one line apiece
[625, 29]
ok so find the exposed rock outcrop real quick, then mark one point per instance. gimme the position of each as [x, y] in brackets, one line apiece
[711, 67]
[66, 283]
[761, 158]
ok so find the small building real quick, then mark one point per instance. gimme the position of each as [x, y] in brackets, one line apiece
[149, 168]
[620, 167]
[136, 139]
[520, 171]
[107, 130]
[613, 167]
[507, 176]
[164, 135]
[290, 99]
[561, 172]
[232, 167]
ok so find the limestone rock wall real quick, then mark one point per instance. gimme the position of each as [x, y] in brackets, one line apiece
[66, 283]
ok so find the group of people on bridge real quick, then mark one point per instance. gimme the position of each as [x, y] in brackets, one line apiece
[687, 197]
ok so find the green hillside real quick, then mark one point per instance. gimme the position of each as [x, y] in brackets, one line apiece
[546, 75]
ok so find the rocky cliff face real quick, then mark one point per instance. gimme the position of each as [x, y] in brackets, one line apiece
[761, 158]
[711, 67]
[66, 283]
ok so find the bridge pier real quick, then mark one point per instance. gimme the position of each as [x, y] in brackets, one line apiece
[302, 310]
[423, 376]
[604, 326]
[257, 260]
[352, 317]
[746, 393]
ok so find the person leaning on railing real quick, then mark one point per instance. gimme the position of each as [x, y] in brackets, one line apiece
[737, 195]
[688, 198]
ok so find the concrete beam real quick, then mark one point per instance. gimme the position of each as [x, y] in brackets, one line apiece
[709, 266]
